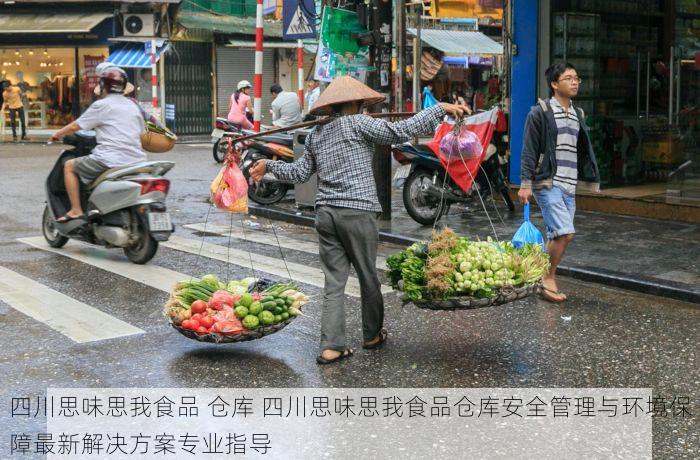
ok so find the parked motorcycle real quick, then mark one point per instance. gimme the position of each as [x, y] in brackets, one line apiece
[221, 126]
[124, 207]
[428, 192]
[272, 147]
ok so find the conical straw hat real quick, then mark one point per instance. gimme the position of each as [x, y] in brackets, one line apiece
[345, 89]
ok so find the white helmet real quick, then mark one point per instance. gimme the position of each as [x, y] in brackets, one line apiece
[101, 67]
[244, 84]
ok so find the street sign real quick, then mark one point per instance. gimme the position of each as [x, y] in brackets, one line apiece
[298, 19]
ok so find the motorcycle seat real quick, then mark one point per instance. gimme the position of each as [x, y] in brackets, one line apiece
[134, 168]
[424, 149]
[282, 139]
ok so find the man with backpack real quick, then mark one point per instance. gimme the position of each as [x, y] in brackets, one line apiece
[557, 159]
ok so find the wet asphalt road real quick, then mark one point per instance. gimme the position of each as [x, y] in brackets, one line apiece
[602, 337]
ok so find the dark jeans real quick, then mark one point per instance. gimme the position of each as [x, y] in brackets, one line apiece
[348, 236]
[13, 114]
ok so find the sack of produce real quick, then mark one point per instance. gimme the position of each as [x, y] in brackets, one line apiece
[460, 145]
[229, 190]
[456, 268]
[527, 233]
[209, 310]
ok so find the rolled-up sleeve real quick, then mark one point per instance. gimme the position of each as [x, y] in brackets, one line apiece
[384, 132]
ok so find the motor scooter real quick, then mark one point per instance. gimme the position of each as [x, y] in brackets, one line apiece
[428, 191]
[124, 207]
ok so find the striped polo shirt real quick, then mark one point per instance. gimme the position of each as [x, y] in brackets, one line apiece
[566, 152]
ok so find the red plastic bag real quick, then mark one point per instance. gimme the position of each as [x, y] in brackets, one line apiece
[229, 190]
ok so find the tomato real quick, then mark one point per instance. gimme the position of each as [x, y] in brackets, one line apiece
[202, 330]
[207, 322]
[196, 316]
[199, 306]
[186, 324]
[194, 324]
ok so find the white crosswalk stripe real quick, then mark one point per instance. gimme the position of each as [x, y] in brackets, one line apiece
[163, 279]
[256, 236]
[76, 320]
[301, 273]
[112, 261]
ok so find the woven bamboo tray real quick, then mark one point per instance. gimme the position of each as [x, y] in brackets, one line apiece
[233, 338]
[505, 295]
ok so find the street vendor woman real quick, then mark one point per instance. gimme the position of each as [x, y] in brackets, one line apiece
[347, 207]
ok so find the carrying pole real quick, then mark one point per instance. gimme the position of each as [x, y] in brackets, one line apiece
[258, 81]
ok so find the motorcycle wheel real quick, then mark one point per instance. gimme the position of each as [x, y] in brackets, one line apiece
[51, 235]
[423, 209]
[262, 193]
[144, 249]
[219, 150]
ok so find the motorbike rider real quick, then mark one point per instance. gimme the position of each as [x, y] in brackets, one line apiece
[118, 124]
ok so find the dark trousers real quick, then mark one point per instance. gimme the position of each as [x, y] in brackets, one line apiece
[13, 114]
[348, 236]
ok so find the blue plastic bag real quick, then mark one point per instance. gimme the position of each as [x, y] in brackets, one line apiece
[428, 98]
[527, 233]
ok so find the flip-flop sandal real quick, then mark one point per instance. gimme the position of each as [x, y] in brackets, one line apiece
[383, 334]
[66, 218]
[546, 294]
[344, 354]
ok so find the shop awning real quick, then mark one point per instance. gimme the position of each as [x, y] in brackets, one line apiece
[133, 55]
[228, 24]
[47, 24]
[459, 43]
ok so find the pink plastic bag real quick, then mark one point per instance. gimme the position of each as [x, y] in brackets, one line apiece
[462, 146]
[229, 190]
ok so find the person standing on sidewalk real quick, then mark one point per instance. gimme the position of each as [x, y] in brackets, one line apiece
[347, 207]
[12, 98]
[557, 158]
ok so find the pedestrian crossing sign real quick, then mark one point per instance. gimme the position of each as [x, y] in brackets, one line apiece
[299, 19]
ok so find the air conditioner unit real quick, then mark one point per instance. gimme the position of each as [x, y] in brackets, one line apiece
[139, 25]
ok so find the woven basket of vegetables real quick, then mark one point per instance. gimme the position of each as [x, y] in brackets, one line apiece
[208, 310]
[455, 273]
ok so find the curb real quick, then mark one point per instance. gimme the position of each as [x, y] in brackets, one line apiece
[642, 284]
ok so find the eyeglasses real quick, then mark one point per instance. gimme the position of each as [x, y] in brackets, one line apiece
[572, 79]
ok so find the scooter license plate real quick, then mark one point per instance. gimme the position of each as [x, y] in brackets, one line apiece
[159, 222]
[402, 172]
[217, 133]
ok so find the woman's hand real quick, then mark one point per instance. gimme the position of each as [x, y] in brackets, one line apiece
[258, 170]
[453, 110]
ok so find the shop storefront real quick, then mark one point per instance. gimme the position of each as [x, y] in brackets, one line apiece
[52, 59]
[463, 64]
[640, 64]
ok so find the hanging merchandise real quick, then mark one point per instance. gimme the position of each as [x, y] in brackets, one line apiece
[460, 144]
[428, 98]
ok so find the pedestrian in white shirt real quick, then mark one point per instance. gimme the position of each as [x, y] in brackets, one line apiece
[312, 94]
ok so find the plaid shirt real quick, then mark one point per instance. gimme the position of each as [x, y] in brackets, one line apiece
[341, 152]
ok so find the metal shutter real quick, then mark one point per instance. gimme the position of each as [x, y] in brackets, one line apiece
[236, 64]
[188, 85]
